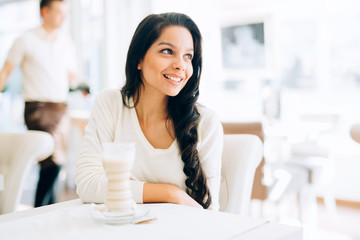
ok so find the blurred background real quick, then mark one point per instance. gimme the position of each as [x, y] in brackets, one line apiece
[291, 65]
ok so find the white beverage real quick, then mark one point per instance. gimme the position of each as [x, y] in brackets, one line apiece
[118, 169]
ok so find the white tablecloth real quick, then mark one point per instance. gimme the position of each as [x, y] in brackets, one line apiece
[73, 221]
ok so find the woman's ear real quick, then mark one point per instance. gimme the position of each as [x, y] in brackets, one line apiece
[139, 66]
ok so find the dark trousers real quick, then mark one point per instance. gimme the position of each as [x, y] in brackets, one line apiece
[45, 116]
[45, 193]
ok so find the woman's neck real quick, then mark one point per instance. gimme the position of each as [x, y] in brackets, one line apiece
[151, 107]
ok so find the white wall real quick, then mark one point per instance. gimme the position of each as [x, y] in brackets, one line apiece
[318, 32]
[121, 20]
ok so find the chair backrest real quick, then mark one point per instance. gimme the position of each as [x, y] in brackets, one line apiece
[259, 191]
[18, 153]
[241, 156]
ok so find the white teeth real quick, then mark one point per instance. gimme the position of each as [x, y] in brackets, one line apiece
[173, 78]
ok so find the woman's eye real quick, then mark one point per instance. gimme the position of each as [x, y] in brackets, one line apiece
[167, 51]
[189, 56]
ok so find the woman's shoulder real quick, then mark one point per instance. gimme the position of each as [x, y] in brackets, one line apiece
[208, 117]
[109, 103]
[109, 95]
[108, 100]
[110, 91]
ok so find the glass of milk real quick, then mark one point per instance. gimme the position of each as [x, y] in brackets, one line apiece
[118, 160]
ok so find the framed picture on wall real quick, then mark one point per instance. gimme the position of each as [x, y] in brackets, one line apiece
[243, 46]
[246, 47]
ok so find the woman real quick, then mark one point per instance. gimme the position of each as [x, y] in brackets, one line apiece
[178, 142]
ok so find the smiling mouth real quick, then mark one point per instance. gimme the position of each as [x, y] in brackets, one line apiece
[176, 79]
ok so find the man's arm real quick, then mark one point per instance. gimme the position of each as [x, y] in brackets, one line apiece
[4, 74]
[78, 83]
[74, 79]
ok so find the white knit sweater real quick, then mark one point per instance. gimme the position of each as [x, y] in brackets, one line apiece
[111, 121]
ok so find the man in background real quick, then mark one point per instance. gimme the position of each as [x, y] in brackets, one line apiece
[48, 64]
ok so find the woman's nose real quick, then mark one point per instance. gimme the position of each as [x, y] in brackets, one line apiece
[179, 64]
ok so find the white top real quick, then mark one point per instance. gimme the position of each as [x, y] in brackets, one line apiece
[111, 121]
[45, 62]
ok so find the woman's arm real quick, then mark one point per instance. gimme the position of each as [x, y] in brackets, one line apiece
[91, 181]
[154, 192]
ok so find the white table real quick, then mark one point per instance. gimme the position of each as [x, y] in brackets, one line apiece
[72, 220]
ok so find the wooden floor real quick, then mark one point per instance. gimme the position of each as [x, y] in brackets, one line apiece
[344, 224]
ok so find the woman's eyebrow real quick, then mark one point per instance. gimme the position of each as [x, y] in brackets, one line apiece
[173, 46]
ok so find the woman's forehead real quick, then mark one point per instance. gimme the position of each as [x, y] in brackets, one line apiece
[176, 37]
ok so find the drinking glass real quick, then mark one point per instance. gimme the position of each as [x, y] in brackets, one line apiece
[118, 160]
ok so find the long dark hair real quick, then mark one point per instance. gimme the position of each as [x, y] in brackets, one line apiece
[181, 108]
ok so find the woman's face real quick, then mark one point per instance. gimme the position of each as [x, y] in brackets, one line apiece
[166, 66]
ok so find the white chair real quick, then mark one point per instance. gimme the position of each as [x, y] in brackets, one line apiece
[241, 156]
[18, 153]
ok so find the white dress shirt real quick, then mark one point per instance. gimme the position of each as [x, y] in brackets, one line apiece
[45, 62]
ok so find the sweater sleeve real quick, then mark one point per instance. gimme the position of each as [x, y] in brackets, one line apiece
[90, 179]
[210, 152]
[90, 176]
